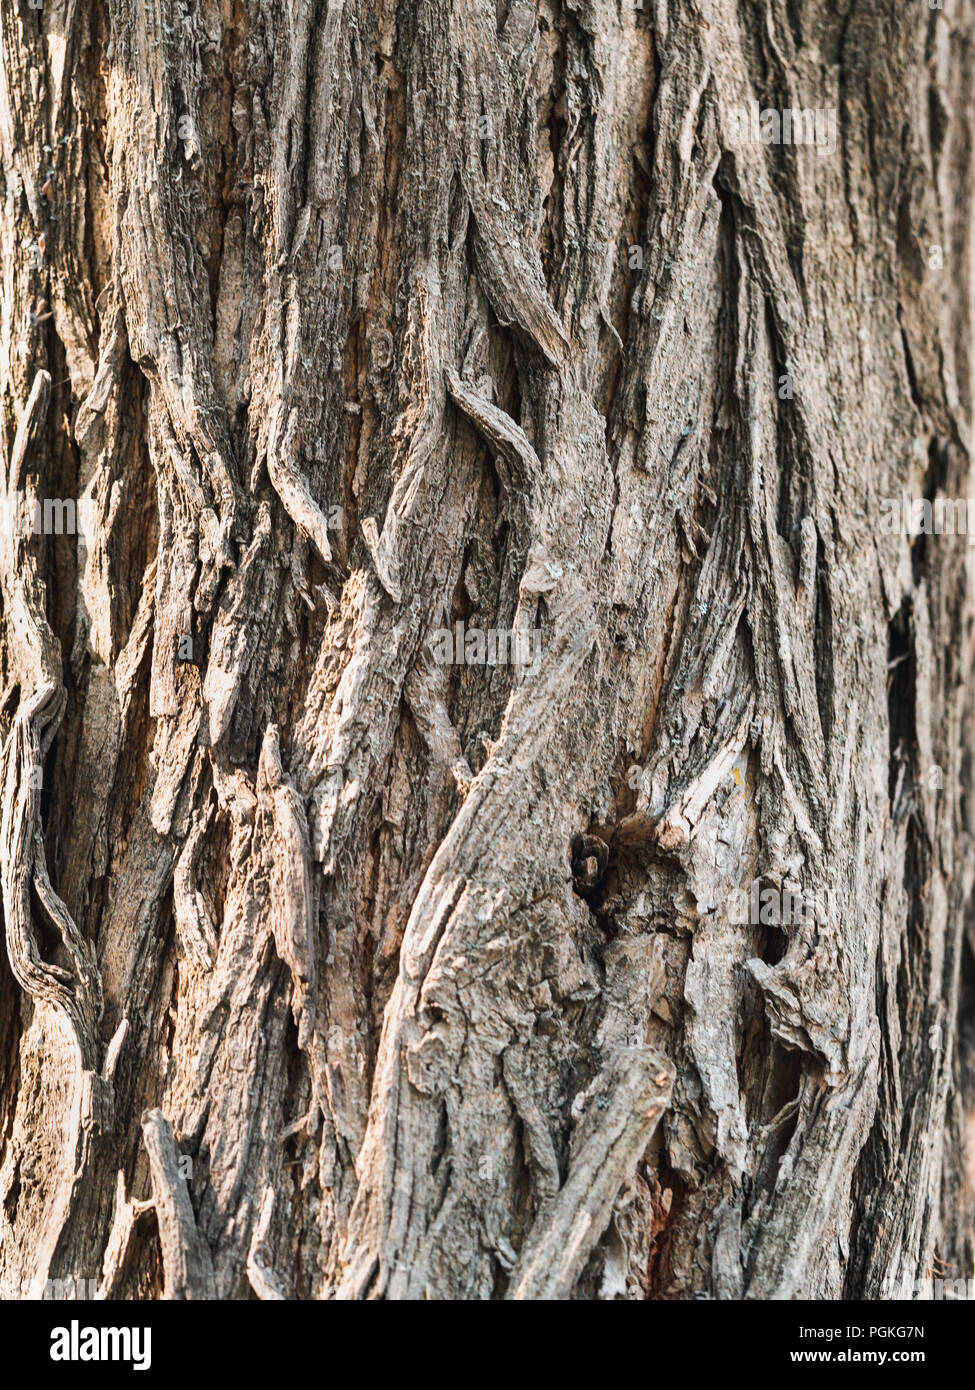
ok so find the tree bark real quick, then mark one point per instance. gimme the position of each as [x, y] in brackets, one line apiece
[343, 968]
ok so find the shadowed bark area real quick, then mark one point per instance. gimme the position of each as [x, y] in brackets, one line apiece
[365, 348]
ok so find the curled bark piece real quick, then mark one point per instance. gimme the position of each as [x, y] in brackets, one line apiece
[383, 559]
[29, 429]
[263, 1281]
[516, 288]
[232, 642]
[187, 1264]
[125, 1217]
[623, 1110]
[541, 1150]
[674, 827]
[293, 916]
[75, 990]
[293, 491]
[506, 437]
[114, 1051]
[425, 695]
[194, 924]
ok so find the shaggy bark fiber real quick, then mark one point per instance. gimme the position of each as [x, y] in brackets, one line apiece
[476, 418]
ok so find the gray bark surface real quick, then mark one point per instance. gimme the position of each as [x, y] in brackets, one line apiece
[333, 971]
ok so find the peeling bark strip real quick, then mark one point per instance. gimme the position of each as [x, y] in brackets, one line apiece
[338, 970]
[628, 1103]
[187, 1266]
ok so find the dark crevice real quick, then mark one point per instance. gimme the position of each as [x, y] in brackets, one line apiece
[823, 647]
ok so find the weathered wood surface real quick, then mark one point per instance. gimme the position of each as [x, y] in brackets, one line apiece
[337, 972]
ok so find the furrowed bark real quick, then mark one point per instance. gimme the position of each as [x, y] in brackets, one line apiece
[353, 952]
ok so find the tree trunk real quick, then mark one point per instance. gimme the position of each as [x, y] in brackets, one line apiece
[444, 577]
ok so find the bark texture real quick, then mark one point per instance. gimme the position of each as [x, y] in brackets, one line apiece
[338, 972]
